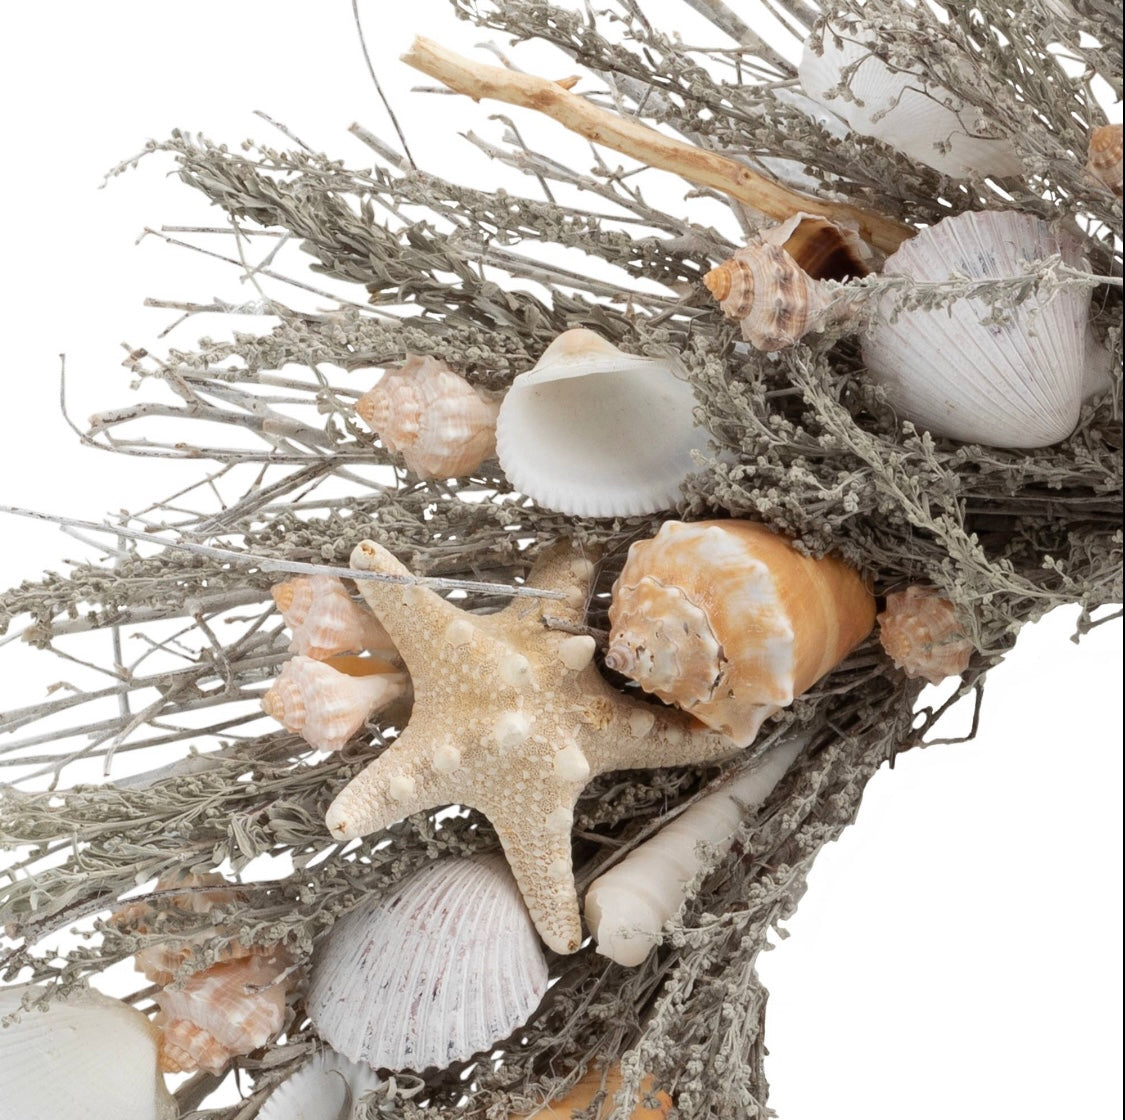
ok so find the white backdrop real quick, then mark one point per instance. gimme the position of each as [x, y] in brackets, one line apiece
[958, 952]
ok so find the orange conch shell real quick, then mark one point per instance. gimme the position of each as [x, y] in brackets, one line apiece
[325, 620]
[582, 1095]
[923, 636]
[328, 706]
[443, 427]
[726, 620]
[1105, 156]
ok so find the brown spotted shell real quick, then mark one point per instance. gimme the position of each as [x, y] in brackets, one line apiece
[923, 636]
[443, 427]
[726, 620]
[325, 620]
[1104, 161]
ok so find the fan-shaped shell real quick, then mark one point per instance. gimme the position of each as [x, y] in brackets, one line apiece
[443, 427]
[901, 106]
[325, 620]
[609, 1081]
[324, 1088]
[1105, 156]
[957, 372]
[628, 906]
[326, 706]
[440, 968]
[224, 1011]
[86, 1056]
[922, 634]
[728, 621]
[594, 432]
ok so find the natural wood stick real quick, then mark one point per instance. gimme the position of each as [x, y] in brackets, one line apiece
[631, 138]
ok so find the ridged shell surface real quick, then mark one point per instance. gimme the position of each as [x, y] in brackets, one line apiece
[324, 1088]
[902, 107]
[87, 1057]
[442, 967]
[921, 632]
[726, 620]
[325, 620]
[442, 426]
[957, 372]
[1104, 161]
[594, 432]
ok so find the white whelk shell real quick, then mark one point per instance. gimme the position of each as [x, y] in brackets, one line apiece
[443, 427]
[326, 706]
[325, 620]
[958, 372]
[442, 967]
[628, 906]
[901, 106]
[324, 1088]
[594, 432]
[87, 1056]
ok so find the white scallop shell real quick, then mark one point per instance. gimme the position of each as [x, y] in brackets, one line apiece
[594, 432]
[1018, 383]
[88, 1057]
[444, 966]
[628, 906]
[902, 107]
[324, 1088]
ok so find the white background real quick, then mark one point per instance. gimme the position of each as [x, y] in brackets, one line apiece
[958, 953]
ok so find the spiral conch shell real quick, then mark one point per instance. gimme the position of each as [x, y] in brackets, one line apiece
[327, 706]
[325, 620]
[923, 636]
[1105, 156]
[773, 286]
[726, 620]
[443, 427]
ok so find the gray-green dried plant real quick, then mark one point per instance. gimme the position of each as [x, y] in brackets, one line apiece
[196, 779]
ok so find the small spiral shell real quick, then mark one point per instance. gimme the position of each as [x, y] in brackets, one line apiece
[923, 635]
[1104, 161]
[443, 427]
[325, 620]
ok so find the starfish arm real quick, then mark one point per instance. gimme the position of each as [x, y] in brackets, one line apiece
[410, 613]
[561, 567]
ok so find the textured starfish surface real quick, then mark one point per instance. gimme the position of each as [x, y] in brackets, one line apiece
[511, 718]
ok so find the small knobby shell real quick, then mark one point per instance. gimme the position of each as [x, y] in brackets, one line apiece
[325, 620]
[609, 1083]
[628, 906]
[594, 432]
[922, 634]
[1105, 156]
[222, 1012]
[726, 620]
[325, 1088]
[957, 369]
[327, 706]
[87, 1056]
[440, 968]
[443, 427]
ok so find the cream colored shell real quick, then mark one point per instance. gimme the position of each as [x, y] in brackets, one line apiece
[729, 622]
[325, 1088]
[326, 706]
[1104, 161]
[922, 634]
[443, 427]
[325, 620]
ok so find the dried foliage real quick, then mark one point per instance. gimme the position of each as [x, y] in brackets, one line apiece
[419, 264]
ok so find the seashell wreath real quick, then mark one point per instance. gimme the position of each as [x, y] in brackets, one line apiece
[595, 612]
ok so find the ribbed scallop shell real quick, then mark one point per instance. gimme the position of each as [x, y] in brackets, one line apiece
[1018, 383]
[442, 967]
[726, 620]
[594, 432]
[324, 1088]
[222, 1012]
[325, 620]
[609, 1081]
[1105, 156]
[442, 426]
[326, 706]
[628, 906]
[902, 107]
[87, 1057]
[923, 636]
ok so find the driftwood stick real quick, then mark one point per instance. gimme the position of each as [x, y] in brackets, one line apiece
[631, 138]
